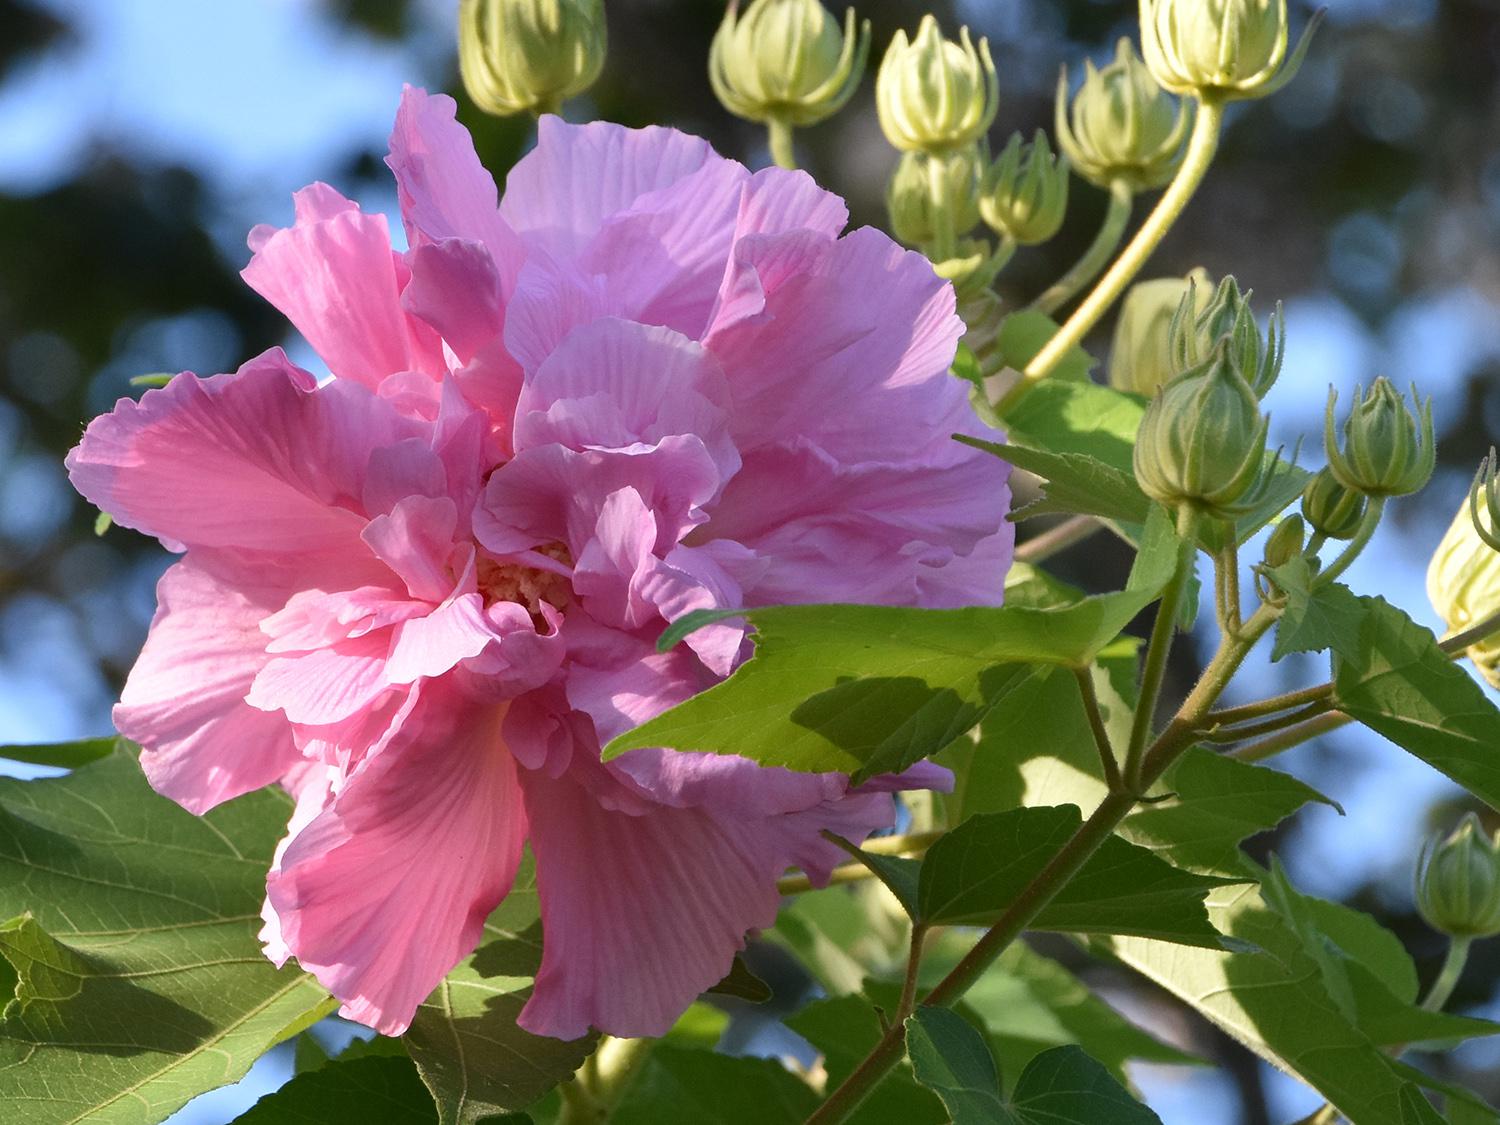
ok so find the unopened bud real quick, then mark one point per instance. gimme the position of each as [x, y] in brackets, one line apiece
[1223, 49]
[1333, 511]
[787, 60]
[934, 95]
[1463, 578]
[1388, 449]
[1286, 542]
[909, 197]
[1025, 192]
[529, 55]
[1202, 440]
[1140, 360]
[1458, 882]
[1121, 125]
[1227, 318]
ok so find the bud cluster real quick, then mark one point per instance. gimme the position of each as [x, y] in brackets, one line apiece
[1140, 360]
[528, 56]
[1458, 882]
[934, 95]
[1221, 49]
[1388, 450]
[1024, 196]
[914, 202]
[1227, 318]
[1332, 510]
[1121, 125]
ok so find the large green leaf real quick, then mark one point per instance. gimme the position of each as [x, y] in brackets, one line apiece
[869, 689]
[361, 1091]
[844, 1029]
[1328, 617]
[1210, 804]
[1081, 418]
[62, 755]
[464, 1039]
[138, 978]
[1025, 332]
[950, 1057]
[1271, 996]
[974, 873]
[1064, 1086]
[1403, 686]
[682, 1084]
[1074, 482]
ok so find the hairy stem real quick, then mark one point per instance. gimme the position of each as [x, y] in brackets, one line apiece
[944, 237]
[1096, 724]
[1226, 735]
[1200, 154]
[1356, 545]
[1096, 257]
[1292, 736]
[779, 132]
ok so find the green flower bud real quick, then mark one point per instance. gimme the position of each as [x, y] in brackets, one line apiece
[933, 94]
[1333, 511]
[1458, 882]
[1223, 49]
[787, 60]
[1122, 125]
[1140, 360]
[1286, 542]
[1025, 192]
[909, 200]
[1227, 318]
[1463, 579]
[1388, 450]
[971, 269]
[1202, 440]
[529, 55]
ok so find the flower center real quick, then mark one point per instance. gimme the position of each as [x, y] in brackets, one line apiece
[528, 586]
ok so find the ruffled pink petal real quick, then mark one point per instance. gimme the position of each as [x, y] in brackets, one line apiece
[262, 459]
[456, 289]
[436, 642]
[389, 886]
[552, 298]
[185, 699]
[334, 276]
[560, 193]
[327, 685]
[416, 540]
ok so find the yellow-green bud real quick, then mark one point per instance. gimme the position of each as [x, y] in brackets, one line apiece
[1025, 192]
[1223, 49]
[1286, 542]
[787, 61]
[1463, 579]
[1202, 440]
[529, 55]
[1458, 882]
[1121, 124]
[1333, 511]
[1140, 360]
[909, 195]
[933, 94]
[1388, 450]
[1197, 329]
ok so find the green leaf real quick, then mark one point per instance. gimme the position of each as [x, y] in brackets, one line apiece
[1403, 686]
[1025, 333]
[897, 873]
[1080, 418]
[974, 873]
[870, 689]
[1064, 1086]
[354, 1092]
[139, 981]
[1034, 588]
[1330, 617]
[844, 1030]
[742, 984]
[1074, 482]
[62, 755]
[1270, 996]
[1030, 1003]
[1214, 804]
[951, 1059]
[682, 1084]
[464, 1039]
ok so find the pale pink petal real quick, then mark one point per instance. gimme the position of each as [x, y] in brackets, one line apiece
[326, 685]
[615, 563]
[552, 298]
[416, 540]
[560, 194]
[692, 578]
[261, 459]
[438, 641]
[185, 699]
[336, 279]
[312, 789]
[388, 888]
[455, 289]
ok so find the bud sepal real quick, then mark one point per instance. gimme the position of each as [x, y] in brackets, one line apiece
[1458, 882]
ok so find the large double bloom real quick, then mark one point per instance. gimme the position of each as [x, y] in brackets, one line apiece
[422, 594]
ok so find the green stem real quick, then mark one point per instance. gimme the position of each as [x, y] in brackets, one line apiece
[1356, 545]
[908, 1001]
[1268, 726]
[1481, 630]
[1102, 743]
[1227, 584]
[1275, 704]
[1447, 978]
[1096, 257]
[1293, 736]
[1160, 645]
[1200, 154]
[1056, 539]
[780, 135]
[944, 237]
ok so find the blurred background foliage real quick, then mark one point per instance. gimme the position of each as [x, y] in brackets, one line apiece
[140, 139]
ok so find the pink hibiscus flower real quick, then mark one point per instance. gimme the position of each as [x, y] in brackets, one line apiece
[422, 594]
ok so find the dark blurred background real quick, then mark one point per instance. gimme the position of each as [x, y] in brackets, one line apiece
[141, 139]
